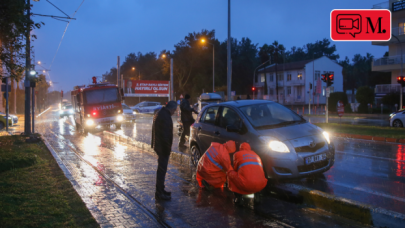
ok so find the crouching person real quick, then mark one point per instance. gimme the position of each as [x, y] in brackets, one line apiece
[214, 164]
[247, 176]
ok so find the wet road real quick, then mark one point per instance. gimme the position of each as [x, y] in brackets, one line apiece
[354, 121]
[119, 180]
[365, 171]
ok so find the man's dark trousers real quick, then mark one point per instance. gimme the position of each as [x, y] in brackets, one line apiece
[186, 131]
[163, 161]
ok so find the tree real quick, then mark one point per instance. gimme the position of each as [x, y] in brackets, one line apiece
[334, 98]
[13, 27]
[365, 96]
[41, 91]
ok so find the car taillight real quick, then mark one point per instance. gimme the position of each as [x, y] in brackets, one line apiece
[94, 113]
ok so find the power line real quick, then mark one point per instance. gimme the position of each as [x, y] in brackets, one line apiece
[65, 33]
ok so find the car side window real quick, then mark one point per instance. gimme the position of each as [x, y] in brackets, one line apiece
[229, 117]
[209, 115]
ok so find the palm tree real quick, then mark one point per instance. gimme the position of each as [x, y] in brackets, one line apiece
[275, 51]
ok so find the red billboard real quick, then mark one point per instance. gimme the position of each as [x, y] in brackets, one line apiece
[146, 88]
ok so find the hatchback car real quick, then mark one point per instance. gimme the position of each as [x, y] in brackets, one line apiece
[397, 119]
[66, 110]
[13, 117]
[288, 145]
[147, 107]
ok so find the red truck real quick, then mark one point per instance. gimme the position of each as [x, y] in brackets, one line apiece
[96, 105]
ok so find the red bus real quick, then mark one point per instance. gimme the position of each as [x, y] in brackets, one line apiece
[96, 105]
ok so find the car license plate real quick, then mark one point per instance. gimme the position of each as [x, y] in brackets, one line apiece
[315, 158]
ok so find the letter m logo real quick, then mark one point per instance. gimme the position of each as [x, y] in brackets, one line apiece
[373, 27]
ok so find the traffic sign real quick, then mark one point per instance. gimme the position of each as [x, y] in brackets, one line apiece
[327, 91]
[340, 107]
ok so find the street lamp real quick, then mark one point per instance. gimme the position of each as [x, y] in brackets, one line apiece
[133, 68]
[213, 63]
[171, 76]
[39, 62]
[402, 63]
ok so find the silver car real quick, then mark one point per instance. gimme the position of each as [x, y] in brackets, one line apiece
[129, 114]
[287, 144]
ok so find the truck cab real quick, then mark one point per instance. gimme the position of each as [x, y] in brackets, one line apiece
[97, 105]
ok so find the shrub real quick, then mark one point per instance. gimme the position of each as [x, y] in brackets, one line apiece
[390, 99]
[363, 108]
[334, 98]
[365, 95]
[348, 108]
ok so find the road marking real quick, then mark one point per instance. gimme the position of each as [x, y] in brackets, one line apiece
[367, 191]
[369, 156]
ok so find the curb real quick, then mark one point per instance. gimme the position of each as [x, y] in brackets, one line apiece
[177, 156]
[347, 208]
[369, 137]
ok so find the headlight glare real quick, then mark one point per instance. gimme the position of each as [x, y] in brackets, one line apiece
[89, 122]
[278, 146]
[326, 135]
[120, 118]
[60, 112]
[71, 110]
[133, 112]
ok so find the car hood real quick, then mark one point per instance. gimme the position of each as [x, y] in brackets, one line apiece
[128, 111]
[291, 131]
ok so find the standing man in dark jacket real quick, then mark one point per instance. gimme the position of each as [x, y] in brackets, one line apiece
[186, 118]
[162, 140]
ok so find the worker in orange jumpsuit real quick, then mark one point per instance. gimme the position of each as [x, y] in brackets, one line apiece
[247, 176]
[214, 164]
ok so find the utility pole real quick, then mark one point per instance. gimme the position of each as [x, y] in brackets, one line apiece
[229, 66]
[402, 63]
[7, 111]
[118, 72]
[27, 84]
[171, 79]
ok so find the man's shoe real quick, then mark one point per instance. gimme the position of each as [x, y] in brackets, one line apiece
[162, 196]
[167, 193]
[207, 186]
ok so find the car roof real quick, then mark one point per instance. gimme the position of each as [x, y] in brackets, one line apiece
[240, 103]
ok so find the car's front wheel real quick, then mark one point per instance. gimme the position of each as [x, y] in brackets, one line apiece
[397, 123]
[195, 155]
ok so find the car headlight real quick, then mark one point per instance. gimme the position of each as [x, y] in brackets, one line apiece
[133, 112]
[60, 112]
[120, 118]
[89, 122]
[326, 135]
[278, 146]
[71, 111]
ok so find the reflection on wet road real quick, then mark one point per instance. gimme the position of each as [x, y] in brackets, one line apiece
[134, 172]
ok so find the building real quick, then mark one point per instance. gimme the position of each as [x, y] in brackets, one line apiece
[294, 81]
[392, 62]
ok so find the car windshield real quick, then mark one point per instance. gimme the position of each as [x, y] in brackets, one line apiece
[101, 96]
[124, 106]
[270, 115]
[68, 107]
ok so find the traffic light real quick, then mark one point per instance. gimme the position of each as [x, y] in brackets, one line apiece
[253, 88]
[328, 78]
[401, 80]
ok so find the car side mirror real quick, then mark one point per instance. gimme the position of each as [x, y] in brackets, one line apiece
[232, 128]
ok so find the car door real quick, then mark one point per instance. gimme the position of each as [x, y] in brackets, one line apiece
[229, 117]
[207, 128]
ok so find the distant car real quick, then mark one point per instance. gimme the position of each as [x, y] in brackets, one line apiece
[147, 107]
[287, 144]
[3, 122]
[13, 117]
[397, 119]
[66, 110]
[203, 104]
[128, 113]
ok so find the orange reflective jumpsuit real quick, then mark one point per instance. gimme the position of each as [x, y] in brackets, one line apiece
[247, 176]
[214, 164]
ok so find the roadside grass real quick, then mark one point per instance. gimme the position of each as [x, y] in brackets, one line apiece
[34, 192]
[387, 132]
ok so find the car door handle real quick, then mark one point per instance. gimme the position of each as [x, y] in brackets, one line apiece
[216, 132]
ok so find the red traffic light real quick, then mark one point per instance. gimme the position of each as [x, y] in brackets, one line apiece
[253, 88]
[94, 113]
[323, 78]
[331, 77]
[94, 80]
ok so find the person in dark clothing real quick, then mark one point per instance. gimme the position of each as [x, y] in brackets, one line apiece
[162, 140]
[186, 118]
[248, 97]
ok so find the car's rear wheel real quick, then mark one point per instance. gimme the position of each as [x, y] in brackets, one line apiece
[397, 123]
[195, 155]
[1, 125]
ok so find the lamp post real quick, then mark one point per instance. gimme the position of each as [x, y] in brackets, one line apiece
[213, 63]
[402, 63]
[171, 77]
[229, 60]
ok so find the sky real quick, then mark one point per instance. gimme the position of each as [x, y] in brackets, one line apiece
[105, 29]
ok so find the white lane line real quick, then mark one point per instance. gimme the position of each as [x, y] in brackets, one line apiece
[367, 191]
[369, 156]
[43, 112]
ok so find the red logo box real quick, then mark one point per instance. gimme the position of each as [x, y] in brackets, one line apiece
[360, 25]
